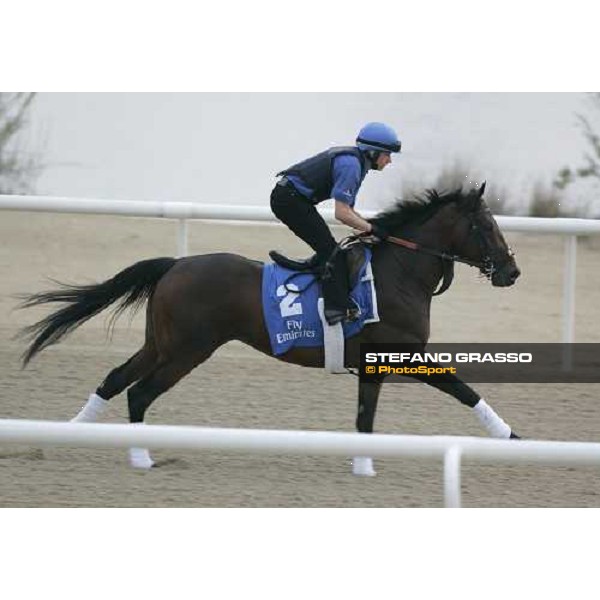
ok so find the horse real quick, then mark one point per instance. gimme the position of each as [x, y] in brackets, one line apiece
[198, 303]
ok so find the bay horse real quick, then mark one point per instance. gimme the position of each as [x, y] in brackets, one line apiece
[196, 304]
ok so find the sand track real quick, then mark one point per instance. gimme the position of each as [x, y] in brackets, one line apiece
[240, 388]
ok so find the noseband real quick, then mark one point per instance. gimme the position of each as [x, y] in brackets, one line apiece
[491, 261]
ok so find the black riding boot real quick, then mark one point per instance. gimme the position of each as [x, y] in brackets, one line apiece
[336, 290]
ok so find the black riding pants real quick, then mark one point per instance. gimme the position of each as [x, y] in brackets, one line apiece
[301, 216]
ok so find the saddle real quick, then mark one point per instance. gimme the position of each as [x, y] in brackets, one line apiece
[363, 300]
[355, 258]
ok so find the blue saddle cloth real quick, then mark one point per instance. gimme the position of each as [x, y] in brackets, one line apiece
[290, 301]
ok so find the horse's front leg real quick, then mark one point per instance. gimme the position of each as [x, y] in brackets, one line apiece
[486, 415]
[368, 394]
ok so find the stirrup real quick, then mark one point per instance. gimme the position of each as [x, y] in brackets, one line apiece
[333, 317]
[350, 315]
[354, 314]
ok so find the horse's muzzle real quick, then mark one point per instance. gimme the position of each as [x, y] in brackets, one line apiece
[507, 275]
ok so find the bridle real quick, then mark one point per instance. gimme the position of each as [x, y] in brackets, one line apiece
[488, 265]
[492, 261]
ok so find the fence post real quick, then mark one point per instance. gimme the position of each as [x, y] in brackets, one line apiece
[182, 238]
[452, 477]
[569, 278]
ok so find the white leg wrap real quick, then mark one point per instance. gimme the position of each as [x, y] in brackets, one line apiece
[494, 425]
[362, 466]
[91, 411]
[139, 458]
[333, 340]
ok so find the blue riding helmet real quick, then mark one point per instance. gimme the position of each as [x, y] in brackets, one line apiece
[378, 137]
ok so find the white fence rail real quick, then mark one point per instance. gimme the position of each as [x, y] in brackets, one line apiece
[183, 211]
[452, 450]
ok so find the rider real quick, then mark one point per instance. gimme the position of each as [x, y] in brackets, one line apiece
[335, 173]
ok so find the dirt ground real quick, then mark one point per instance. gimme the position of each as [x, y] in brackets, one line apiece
[263, 393]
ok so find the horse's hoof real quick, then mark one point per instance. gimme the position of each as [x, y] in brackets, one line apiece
[362, 466]
[139, 458]
[514, 436]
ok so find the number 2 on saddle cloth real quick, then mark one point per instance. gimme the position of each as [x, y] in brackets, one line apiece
[290, 300]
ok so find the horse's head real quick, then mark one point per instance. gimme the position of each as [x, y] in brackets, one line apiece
[458, 224]
[477, 237]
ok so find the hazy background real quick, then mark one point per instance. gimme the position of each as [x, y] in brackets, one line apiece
[226, 148]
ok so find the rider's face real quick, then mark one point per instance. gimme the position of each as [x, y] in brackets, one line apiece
[383, 160]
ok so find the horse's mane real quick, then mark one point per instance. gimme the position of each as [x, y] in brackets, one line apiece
[416, 210]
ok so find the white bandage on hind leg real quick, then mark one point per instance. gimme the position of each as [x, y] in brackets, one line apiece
[139, 458]
[495, 426]
[92, 410]
[362, 466]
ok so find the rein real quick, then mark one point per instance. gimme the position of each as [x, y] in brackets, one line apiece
[448, 260]
[432, 252]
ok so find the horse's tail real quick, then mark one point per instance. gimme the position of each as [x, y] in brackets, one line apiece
[132, 286]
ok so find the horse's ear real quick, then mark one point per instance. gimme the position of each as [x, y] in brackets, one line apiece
[482, 189]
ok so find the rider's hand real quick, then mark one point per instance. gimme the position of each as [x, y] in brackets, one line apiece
[379, 232]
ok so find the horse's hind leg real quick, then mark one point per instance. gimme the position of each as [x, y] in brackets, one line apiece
[368, 394]
[116, 381]
[141, 395]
